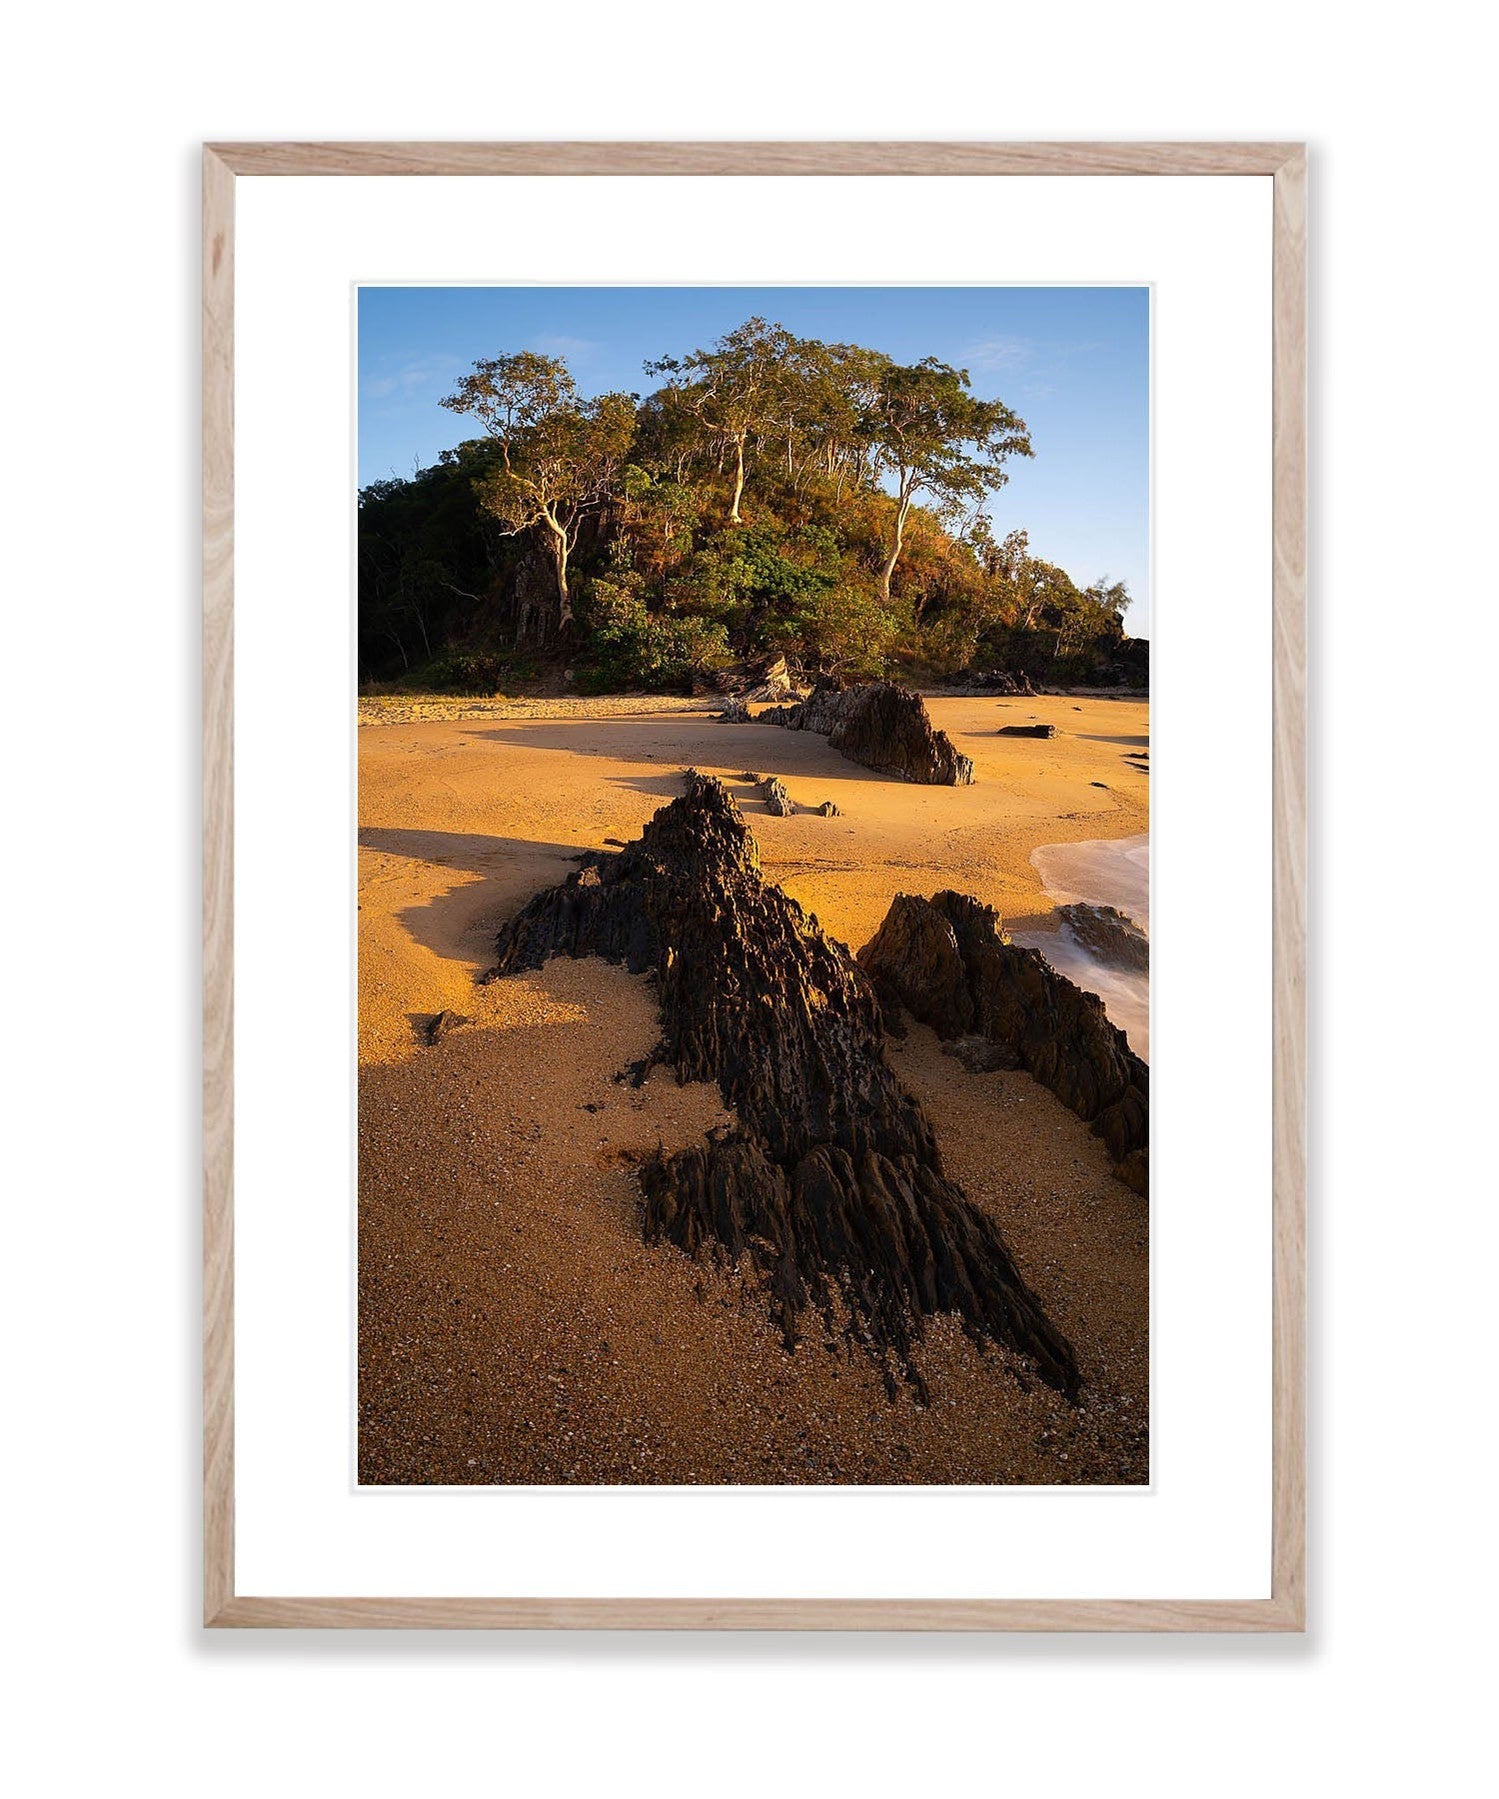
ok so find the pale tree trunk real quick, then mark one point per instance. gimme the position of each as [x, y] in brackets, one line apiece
[900, 531]
[734, 518]
[564, 603]
[558, 537]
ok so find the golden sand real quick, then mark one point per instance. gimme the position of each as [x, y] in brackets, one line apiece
[514, 1327]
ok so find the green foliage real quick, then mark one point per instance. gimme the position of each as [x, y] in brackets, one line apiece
[464, 671]
[775, 494]
[633, 647]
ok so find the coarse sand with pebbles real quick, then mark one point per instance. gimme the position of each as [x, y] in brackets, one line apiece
[513, 1326]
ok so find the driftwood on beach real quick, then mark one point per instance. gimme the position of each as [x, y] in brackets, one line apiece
[949, 964]
[883, 726]
[830, 1183]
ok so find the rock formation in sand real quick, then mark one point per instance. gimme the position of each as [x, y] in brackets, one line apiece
[1110, 936]
[1026, 731]
[830, 1184]
[437, 1028]
[778, 801]
[818, 712]
[884, 726]
[948, 963]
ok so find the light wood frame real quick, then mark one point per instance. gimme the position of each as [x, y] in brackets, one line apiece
[1285, 1609]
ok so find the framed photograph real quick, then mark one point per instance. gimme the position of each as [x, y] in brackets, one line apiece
[753, 721]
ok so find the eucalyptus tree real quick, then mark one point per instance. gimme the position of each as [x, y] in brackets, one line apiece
[735, 391]
[930, 434]
[828, 392]
[560, 455]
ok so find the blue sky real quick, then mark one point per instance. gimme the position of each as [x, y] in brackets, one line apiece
[1074, 362]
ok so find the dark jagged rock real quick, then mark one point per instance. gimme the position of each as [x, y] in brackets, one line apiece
[948, 963]
[885, 727]
[1111, 936]
[818, 712]
[830, 1184]
[437, 1028]
[1027, 731]
[777, 800]
[735, 712]
[828, 810]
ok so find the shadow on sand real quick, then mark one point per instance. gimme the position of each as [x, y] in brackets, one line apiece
[460, 924]
[728, 751]
[1141, 742]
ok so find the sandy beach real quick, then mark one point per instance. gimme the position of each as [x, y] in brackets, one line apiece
[514, 1326]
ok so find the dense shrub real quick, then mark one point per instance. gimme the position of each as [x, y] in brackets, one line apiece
[633, 647]
[463, 671]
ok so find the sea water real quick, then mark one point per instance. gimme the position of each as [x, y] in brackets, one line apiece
[1113, 872]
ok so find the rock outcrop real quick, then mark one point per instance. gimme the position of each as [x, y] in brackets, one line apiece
[818, 712]
[1027, 731]
[948, 963]
[883, 726]
[437, 1028]
[830, 1183]
[1110, 936]
[778, 801]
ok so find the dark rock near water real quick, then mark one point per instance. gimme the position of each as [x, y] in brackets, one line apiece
[1110, 936]
[1027, 731]
[830, 1184]
[883, 726]
[948, 963]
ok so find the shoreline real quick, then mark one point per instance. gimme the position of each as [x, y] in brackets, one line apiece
[418, 707]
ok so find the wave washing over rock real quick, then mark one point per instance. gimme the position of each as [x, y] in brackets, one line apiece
[948, 962]
[830, 1184]
[883, 726]
[1088, 881]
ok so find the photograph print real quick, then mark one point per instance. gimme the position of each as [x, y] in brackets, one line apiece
[753, 886]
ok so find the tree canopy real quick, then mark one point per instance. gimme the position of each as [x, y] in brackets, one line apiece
[773, 493]
[560, 457]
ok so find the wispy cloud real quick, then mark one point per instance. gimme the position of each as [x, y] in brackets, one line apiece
[1042, 361]
[992, 354]
[552, 343]
[410, 377]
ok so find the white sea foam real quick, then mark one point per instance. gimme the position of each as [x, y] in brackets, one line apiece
[1112, 872]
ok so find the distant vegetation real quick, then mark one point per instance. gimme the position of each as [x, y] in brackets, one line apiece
[774, 494]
